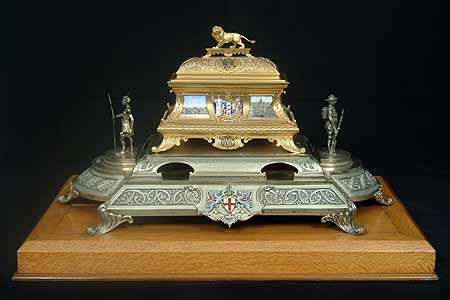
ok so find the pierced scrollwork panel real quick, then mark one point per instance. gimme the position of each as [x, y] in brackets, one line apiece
[157, 196]
[358, 183]
[294, 196]
[94, 182]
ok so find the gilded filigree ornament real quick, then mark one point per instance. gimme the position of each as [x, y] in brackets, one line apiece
[227, 64]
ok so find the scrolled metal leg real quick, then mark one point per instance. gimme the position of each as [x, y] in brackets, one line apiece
[379, 196]
[168, 142]
[108, 221]
[288, 144]
[344, 220]
[73, 193]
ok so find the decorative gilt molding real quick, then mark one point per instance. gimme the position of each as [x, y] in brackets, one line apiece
[227, 52]
[221, 128]
[108, 221]
[227, 142]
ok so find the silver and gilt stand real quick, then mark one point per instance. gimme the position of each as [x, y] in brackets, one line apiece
[227, 186]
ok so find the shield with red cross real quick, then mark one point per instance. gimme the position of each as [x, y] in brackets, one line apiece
[229, 201]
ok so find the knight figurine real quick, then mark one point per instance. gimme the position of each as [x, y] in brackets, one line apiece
[332, 123]
[127, 131]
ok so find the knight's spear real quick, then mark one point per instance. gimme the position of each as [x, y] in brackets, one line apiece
[113, 122]
[340, 121]
[334, 141]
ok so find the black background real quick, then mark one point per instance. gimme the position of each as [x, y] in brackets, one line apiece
[387, 61]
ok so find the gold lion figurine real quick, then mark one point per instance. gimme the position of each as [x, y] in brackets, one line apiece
[223, 37]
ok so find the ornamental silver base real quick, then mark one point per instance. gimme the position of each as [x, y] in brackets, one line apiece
[227, 186]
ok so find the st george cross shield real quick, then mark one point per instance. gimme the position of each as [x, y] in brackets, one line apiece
[229, 201]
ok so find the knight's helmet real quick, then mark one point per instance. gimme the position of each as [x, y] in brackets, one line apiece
[126, 100]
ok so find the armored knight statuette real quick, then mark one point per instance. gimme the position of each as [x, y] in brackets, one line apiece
[332, 123]
[127, 121]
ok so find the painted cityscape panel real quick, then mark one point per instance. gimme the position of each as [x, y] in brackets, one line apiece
[195, 105]
[261, 107]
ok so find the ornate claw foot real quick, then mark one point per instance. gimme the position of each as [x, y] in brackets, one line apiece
[168, 142]
[108, 221]
[344, 220]
[73, 193]
[288, 144]
[379, 196]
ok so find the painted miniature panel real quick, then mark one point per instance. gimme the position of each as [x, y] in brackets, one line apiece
[228, 107]
[195, 106]
[261, 108]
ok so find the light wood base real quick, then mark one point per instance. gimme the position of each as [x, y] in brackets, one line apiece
[195, 248]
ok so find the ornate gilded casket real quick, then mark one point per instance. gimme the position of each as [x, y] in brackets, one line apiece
[228, 97]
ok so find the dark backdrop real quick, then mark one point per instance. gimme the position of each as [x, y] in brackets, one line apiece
[387, 61]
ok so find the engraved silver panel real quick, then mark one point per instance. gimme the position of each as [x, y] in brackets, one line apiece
[158, 196]
[92, 185]
[298, 196]
[358, 183]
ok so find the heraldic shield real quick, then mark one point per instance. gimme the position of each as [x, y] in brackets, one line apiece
[230, 205]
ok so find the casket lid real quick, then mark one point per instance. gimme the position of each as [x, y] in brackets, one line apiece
[228, 65]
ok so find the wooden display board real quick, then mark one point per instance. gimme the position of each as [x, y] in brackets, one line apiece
[196, 248]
